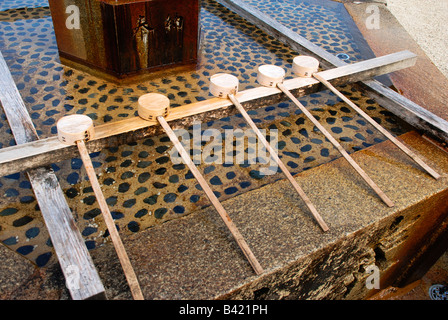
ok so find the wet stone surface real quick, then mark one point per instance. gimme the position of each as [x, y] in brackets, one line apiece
[141, 184]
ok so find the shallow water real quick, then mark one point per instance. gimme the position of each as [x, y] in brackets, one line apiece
[142, 186]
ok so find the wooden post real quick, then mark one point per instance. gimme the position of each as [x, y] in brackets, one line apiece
[285, 170]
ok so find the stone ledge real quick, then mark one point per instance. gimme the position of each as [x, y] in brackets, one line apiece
[196, 258]
[20, 279]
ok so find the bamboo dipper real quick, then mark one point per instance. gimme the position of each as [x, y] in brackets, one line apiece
[75, 129]
[155, 107]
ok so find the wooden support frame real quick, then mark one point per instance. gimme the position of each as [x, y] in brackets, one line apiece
[400, 106]
[46, 151]
[72, 253]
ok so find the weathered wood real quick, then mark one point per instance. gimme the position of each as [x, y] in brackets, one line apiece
[82, 278]
[47, 151]
[402, 107]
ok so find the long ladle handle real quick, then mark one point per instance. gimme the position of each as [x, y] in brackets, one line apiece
[213, 199]
[338, 146]
[116, 240]
[394, 140]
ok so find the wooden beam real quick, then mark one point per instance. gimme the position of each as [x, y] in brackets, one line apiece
[402, 107]
[82, 278]
[47, 151]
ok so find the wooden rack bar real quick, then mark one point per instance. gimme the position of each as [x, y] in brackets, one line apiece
[46, 151]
